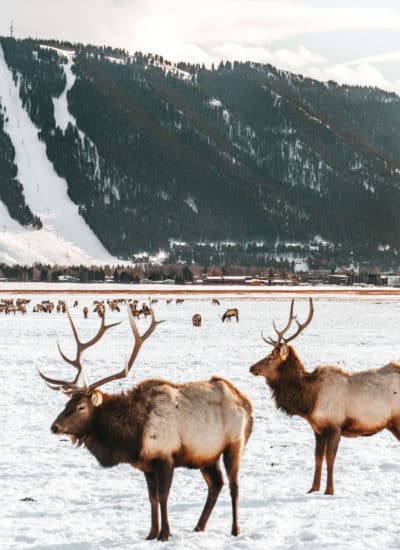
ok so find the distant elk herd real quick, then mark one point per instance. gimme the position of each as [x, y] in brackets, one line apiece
[8, 306]
[159, 425]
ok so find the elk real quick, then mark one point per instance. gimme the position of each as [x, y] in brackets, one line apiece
[157, 426]
[179, 301]
[85, 312]
[196, 320]
[215, 302]
[229, 313]
[135, 312]
[334, 402]
[145, 310]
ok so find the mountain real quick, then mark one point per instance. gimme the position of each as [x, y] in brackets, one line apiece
[238, 163]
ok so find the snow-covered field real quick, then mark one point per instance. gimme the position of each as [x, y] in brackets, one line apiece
[79, 505]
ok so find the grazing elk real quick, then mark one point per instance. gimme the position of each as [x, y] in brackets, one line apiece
[145, 310]
[196, 320]
[229, 313]
[76, 303]
[157, 426]
[85, 312]
[179, 301]
[215, 302]
[334, 402]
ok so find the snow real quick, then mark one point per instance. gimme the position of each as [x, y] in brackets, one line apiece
[79, 505]
[215, 103]
[61, 111]
[67, 234]
[190, 201]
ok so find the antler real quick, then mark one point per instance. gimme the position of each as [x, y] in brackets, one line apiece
[139, 340]
[74, 386]
[292, 317]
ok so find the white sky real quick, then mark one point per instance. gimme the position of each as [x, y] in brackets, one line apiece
[353, 41]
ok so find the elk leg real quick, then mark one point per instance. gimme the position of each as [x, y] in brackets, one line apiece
[213, 476]
[151, 480]
[333, 438]
[320, 450]
[165, 471]
[395, 431]
[232, 456]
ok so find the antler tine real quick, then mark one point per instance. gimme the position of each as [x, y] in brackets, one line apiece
[73, 386]
[138, 344]
[280, 333]
[63, 385]
[268, 340]
[302, 326]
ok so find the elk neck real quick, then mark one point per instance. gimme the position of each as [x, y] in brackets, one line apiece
[295, 389]
[116, 434]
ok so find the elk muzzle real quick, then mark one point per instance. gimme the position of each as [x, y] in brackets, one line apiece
[55, 428]
[256, 369]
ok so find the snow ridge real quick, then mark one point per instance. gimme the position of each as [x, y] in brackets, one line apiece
[65, 237]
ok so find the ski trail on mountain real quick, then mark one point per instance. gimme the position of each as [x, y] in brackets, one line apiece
[46, 192]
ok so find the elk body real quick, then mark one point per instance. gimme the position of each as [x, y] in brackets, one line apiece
[157, 426]
[334, 402]
[229, 313]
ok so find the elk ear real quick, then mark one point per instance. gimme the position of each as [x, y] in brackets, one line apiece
[97, 398]
[284, 352]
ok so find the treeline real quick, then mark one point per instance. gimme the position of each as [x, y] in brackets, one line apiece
[135, 273]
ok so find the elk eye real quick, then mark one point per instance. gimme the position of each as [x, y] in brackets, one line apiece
[81, 408]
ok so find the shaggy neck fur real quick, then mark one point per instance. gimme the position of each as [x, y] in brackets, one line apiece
[116, 431]
[294, 390]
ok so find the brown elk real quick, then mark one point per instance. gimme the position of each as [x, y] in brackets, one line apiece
[179, 301]
[134, 310]
[157, 426]
[334, 402]
[76, 303]
[113, 305]
[196, 320]
[85, 312]
[229, 313]
[145, 310]
[215, 302]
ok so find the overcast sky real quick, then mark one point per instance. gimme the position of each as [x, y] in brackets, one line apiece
[353, 41]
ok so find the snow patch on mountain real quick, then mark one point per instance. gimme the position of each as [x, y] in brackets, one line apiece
[65, 234]
[62, 115]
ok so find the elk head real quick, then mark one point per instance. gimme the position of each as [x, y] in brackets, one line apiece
[78, 416]
[269, 367]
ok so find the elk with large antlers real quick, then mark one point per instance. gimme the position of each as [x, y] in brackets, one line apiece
[157, 426]
[335, 402]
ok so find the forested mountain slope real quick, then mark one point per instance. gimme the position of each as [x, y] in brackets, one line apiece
[242, 153]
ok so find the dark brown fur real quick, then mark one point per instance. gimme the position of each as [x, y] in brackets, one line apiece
[295, 390]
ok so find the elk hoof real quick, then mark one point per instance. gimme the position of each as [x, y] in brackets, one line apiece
[164, 536]
[329, 491]
[152, 535]
[235, 531]
[199, 528]
[313, 490]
